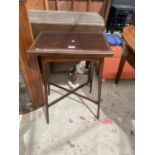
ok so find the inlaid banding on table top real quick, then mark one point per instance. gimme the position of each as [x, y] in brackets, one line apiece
[70, 43]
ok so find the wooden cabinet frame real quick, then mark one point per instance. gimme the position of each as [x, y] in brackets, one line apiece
[29, 64]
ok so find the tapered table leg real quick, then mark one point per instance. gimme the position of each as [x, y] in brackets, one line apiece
[45, 80]
[48, 74]
[121, 65]
[101, 61]
[90, 75]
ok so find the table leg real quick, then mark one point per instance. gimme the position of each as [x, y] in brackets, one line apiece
[48, 89]
[45, 80]
[121, 65]
[90, 75]
[48, 74]
[101, 61]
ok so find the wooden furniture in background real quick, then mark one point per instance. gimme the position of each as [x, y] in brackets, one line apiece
[29, 64]
[67, 47]
[129, 49]
[65, 21]
[99, 6]
[111, 65]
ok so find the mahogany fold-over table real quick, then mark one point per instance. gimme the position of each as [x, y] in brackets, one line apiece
[128, 50]
[66, 47]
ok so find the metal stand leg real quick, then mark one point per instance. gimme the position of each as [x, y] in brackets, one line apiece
[99, 85]
[45, 79]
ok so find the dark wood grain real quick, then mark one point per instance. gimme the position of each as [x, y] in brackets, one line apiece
[53, 46]
[37, 28]
[129, 38]
[128, 50]
[22, 1]
[85, 44]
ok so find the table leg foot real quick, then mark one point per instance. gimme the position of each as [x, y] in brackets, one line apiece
[98, 115]
[90, 87]
[47, 115]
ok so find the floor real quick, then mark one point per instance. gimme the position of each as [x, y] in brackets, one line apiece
[73, 128]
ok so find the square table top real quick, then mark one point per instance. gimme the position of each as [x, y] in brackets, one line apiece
[70, 44]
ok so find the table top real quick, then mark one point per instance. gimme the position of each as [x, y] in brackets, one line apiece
[70, 44]
[129, 36]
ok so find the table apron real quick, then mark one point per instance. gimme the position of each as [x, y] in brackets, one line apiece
[69, 59]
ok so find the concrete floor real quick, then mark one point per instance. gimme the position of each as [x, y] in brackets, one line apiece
[73, 128]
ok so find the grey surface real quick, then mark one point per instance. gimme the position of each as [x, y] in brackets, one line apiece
[66, 18]
[73, 129]
[123, 2]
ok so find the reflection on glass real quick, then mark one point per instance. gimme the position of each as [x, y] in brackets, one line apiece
[25, 104]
